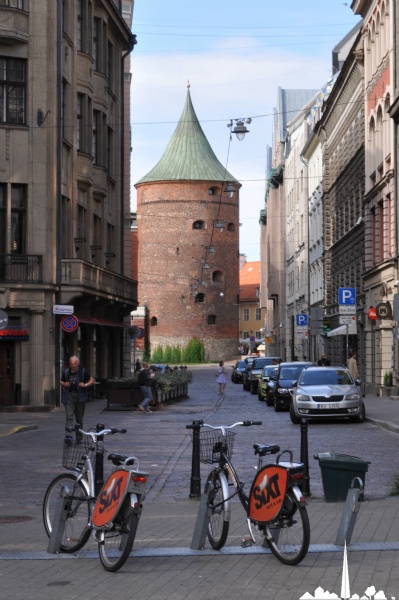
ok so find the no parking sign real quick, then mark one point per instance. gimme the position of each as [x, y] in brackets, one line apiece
[69, 323]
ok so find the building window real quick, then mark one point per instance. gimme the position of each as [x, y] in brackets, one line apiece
[79, 124]
[245, 314]
[3, 213]
[217, 276]
[258, 314]
[198, 225]
[84, 26]
[200, 298]
[245, 334]
[95, 134]
[111, 69]
[12, 90]
[14, 4]
[231, 227]
[258, 335]
[154, 322]
[211, 319]
[18, 219]
[66, 238]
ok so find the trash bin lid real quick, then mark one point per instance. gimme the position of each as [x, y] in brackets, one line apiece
[342, 461]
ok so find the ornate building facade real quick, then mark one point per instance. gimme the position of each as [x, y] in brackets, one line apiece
[64, 192]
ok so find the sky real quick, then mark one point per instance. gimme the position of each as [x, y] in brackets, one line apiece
[235, 55]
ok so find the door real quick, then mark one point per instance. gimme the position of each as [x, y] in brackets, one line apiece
[6, 374]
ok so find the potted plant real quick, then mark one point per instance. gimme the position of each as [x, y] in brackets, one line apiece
[387, 388]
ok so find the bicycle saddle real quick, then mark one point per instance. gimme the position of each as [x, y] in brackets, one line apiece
[117, 459]
[262, 449]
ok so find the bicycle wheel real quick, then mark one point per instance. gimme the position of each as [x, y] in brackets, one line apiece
[288, 536]
[76, 530]
[218, 527]
[115, 545]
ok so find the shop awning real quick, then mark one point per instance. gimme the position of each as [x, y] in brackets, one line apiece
[341, 330]
[103, 322]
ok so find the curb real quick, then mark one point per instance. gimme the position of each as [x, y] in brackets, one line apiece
[19, 429]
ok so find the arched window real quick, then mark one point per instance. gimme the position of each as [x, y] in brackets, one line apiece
[200, 298]
[387, 127]
[378, 41]
[154, 321]
[217, 276]
[199, 225]
[231, 227]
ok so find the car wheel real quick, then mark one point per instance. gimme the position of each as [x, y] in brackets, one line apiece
[269, 401]
[276, 406]
[294, 419]
[260, 397]
[362, 414]
[252, 390]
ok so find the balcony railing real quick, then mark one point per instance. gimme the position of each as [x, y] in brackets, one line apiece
[20, 268]
[93, 279]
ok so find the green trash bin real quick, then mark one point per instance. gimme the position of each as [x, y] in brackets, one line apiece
[338, 472]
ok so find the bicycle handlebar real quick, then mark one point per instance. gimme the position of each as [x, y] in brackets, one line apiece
[102, 432]
[242, 423]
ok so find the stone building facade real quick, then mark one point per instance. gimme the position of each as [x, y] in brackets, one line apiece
[380, 198]
[188, 221]
[341, 131]
[64, 199]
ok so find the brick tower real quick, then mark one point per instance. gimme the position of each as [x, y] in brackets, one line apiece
[189, 244]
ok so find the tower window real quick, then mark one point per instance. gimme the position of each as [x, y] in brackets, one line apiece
[198, 225]
[211, 319]
[200, 298]
[154, 321]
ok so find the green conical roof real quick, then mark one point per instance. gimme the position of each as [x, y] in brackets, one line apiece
[188, 156]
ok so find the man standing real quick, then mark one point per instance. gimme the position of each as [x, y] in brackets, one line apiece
[324, 362]
[352, 366]
[144, 379]
[75, 380]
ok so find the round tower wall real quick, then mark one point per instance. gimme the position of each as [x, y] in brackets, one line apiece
[176, 228]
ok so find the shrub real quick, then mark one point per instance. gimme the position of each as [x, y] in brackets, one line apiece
[388, 378]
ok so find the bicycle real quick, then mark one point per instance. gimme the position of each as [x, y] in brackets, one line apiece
[275, 504]
[112, 509]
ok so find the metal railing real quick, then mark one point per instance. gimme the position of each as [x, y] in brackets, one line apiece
[21, 268]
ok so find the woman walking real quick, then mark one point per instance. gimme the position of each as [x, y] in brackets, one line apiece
[221, 378]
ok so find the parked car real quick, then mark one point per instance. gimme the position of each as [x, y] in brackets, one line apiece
[251, 376]
[265, 378]
[157, 368]
[238, 369]
[288, 372]
[322, 392]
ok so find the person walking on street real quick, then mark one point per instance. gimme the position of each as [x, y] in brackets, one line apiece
[74, 380]
[324, 361]
[352, 365]
[221, 378]
[144, 379]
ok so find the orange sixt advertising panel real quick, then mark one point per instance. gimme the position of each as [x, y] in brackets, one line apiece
[267, 493]
[110, 498]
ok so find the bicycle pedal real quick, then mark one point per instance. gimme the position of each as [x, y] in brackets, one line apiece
[247, 542]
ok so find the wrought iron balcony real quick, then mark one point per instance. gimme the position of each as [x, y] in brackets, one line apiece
[20, 268]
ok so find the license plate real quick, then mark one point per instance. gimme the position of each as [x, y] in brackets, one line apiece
[327, 406]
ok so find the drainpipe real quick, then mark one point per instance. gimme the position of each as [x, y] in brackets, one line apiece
[132, 43]
[58, 278]
[306, 163]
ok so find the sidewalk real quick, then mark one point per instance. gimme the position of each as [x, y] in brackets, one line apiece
[162, 565]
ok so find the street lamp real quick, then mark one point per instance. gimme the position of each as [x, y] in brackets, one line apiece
[240, 130]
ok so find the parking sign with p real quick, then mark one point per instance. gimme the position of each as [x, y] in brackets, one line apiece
[347, 296]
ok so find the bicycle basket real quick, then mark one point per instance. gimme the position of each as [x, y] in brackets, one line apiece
[74, 454]
[211, 443]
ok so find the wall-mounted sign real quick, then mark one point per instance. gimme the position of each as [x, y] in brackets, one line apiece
[371, 313]
[384, 310]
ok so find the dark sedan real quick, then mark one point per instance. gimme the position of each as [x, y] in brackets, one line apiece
[238, 369]
[287, 373]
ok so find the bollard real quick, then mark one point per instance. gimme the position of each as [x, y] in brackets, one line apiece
[60, 516]
[201, 524]
[351, 508]
[195, 481]
[305, 457]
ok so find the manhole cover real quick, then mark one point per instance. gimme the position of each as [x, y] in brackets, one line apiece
[6, 520]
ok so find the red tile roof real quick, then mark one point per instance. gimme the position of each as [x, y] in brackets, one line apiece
[250, 282]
